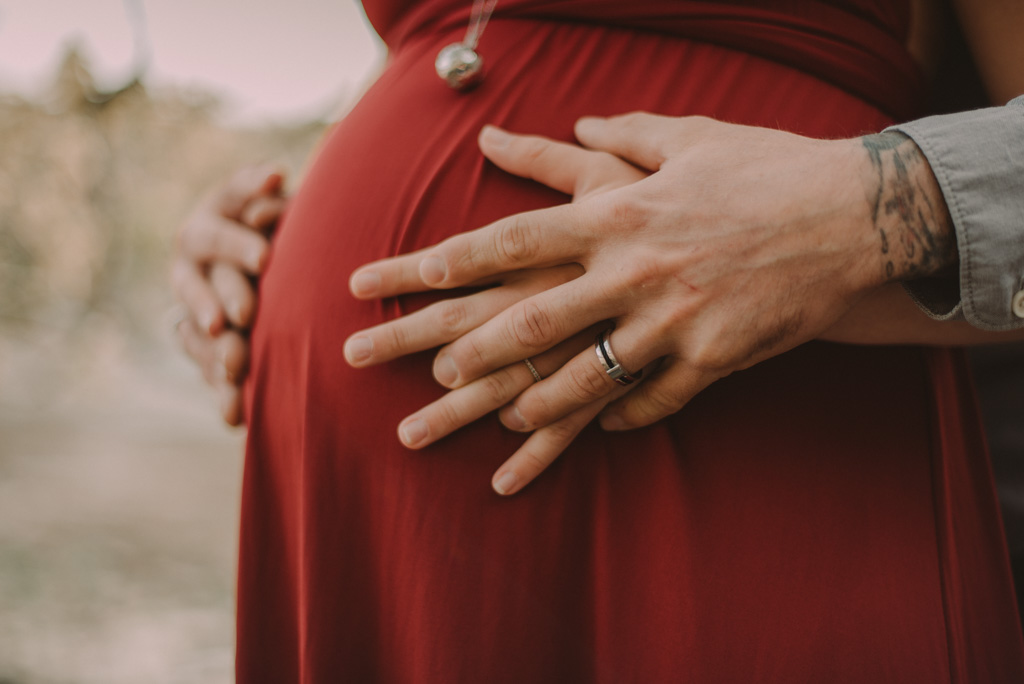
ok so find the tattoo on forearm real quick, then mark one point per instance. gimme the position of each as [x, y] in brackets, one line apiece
[908, 210]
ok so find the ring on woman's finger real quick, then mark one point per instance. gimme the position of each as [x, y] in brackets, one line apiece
[533, 370]
[611, 365]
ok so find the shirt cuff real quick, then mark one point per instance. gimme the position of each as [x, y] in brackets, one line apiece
[978, 159]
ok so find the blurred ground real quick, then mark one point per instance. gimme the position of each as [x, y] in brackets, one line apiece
[118, 516]
[118, 484]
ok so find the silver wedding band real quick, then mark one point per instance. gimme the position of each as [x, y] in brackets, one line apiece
[533, 370]
[611, 365]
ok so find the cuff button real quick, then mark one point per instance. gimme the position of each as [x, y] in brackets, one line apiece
[1018, 304]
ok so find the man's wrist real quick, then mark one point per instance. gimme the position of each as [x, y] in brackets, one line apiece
[908, 213]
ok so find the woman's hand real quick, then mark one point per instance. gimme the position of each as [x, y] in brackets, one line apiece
[568, 168]
[219, 248]
[743, 243]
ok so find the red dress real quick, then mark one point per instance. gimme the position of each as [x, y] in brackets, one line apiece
[827, 516]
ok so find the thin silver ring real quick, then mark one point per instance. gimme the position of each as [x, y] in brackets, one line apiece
[611, 365]
[533, 370]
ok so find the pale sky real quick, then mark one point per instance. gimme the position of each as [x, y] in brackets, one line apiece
[274, 59]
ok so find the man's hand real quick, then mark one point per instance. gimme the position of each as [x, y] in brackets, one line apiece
[742, 243]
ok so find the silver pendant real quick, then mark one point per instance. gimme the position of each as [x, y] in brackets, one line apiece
[459, 65]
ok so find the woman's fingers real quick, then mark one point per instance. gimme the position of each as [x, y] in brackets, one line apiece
[208, 237]
[232, 407]
[262, 213]
[222, 359]
[248, 182]
[566, 167]
[533, 239]
[580, 382]
[234, 292]
[448, 319]
[641, 138]
[466, 404]
[526, 329]
[543, 447]
[194, 291]
[664, 391]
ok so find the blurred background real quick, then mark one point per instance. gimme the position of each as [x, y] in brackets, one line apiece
[118, 483]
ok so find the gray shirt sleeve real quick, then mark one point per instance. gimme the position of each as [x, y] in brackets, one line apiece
[978, 159]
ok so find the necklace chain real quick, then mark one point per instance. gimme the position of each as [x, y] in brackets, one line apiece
[482, 10]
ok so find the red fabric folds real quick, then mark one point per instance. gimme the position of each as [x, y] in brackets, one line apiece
[826, 516]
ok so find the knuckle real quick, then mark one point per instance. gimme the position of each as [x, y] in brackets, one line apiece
[644, 270]
[711, 356]
[396, 339]
[562, 431]
[470, 355]
[495, 387]
[530, 326]
[537, 460]
[629, 212]
[447, 417]
[533, 149]
[515, 241]
[659, 402]
[452, 316]
[587, 383]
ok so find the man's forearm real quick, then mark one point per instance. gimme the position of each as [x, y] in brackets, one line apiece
[915, 233]
[977, 159]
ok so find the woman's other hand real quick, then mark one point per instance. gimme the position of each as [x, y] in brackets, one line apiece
[219, 249]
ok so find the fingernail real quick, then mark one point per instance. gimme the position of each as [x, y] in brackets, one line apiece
[366, 283]
[445, 371]
[494, 136]
[588, 124]
[506, 483]
[358, 349]
[612, 422]
[433, 270]
[413, 432]
[513, 419]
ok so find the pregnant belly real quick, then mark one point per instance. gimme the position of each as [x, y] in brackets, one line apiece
[769, 464]
[402, 170]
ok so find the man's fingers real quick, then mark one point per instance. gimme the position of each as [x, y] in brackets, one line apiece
[541, 450]
[466, 404]
[526, 329]
[666, 391]
[194, 291]
[641, 138]
[207, 237]
[235, 293]
[448, 319]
